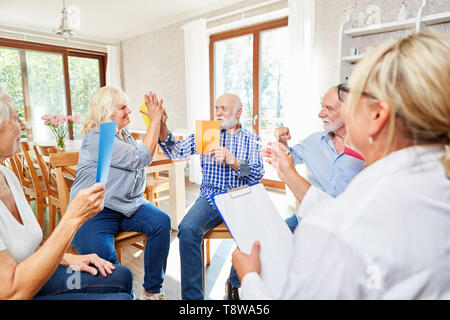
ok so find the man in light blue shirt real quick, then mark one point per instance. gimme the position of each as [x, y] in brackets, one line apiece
[328, 167]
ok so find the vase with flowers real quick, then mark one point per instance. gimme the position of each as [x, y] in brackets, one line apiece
[58, 124]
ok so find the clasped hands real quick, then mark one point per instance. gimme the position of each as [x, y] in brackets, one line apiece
[223, 155]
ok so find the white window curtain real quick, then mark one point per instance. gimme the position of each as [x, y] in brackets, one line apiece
[196, 54]
[302, 97]
[302, 103]
[113, 67]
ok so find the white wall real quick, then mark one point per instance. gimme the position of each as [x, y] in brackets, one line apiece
[155, 61]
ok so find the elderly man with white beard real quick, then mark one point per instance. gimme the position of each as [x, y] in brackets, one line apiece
[236, 162]
[328, 167]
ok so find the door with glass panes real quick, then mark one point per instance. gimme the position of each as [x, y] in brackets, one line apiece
[251, 63]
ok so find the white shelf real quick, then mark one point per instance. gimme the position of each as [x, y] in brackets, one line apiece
[441, 17]
[347, 34]
[380, 28]
[396, 25]
[353, 59]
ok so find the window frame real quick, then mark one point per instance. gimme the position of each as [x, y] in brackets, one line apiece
[65, 52]
[256, 31]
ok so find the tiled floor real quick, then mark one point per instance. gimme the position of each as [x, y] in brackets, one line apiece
[216, 274]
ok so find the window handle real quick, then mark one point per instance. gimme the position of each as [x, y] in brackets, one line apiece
[255, 117]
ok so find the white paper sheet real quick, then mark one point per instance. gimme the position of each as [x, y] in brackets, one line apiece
[250, 215]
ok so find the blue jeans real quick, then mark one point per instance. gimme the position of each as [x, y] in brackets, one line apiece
[97, 236]
[66, 284]
[201, 218]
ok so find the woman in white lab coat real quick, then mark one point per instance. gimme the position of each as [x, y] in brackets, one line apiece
[387, 236]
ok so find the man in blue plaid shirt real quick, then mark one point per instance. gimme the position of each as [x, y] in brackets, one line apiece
[235, 163]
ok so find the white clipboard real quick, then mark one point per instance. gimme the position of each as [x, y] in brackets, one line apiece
[250, 215]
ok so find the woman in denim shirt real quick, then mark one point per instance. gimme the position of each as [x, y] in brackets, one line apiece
[126, 209]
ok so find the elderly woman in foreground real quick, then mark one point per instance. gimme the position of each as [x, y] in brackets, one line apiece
[387, 235]
[43, 273]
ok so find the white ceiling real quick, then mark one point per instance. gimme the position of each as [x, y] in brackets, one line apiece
[106, 20]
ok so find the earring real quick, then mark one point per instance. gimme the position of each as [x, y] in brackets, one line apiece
[370, 140]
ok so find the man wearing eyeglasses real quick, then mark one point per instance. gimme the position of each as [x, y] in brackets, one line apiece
[328, 166]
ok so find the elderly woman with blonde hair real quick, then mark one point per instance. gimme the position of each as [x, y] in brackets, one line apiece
[387, 235]
[126, 209]
[31, 270]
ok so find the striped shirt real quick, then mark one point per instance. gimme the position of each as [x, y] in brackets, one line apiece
[219, 177]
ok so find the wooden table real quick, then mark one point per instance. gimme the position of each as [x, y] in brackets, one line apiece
[177, 190]
[71, 145]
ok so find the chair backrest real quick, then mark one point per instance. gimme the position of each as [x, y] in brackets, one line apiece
[12, 165]
[61, 161]
[49, 177]
[16, 162]
[137, 136]
[46, 150]
[29, 170]
[158, 152]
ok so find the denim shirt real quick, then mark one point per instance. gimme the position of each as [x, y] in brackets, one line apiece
[326, 170]
[126, 181]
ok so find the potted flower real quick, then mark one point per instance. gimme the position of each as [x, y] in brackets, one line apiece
[57, 124]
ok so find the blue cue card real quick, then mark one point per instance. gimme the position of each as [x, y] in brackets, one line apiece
[106, 142]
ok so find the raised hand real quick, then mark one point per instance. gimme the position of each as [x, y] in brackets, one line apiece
[282, 134]
[155, 111]
[280, 157]
[88, 202]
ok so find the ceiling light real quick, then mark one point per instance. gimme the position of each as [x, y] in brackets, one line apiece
[64, 30]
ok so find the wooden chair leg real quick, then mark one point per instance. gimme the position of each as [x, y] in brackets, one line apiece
[51, 217]
[150, 196]
[157, 197]
[208, 257]
[119, 255]
[203, 265]
[40, 211]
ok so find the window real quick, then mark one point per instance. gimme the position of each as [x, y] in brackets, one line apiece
[84, 81]
[10, 76]
[49, 79]
[251, 63]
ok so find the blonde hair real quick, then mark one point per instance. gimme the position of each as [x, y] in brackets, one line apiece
[412, 75]
[101, 107]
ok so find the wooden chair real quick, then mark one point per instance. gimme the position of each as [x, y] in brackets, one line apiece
[218, 232]
[12, 165]
[54, 205]
[15, 168]
[32, 184]
[62, 160]
[155, 183]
